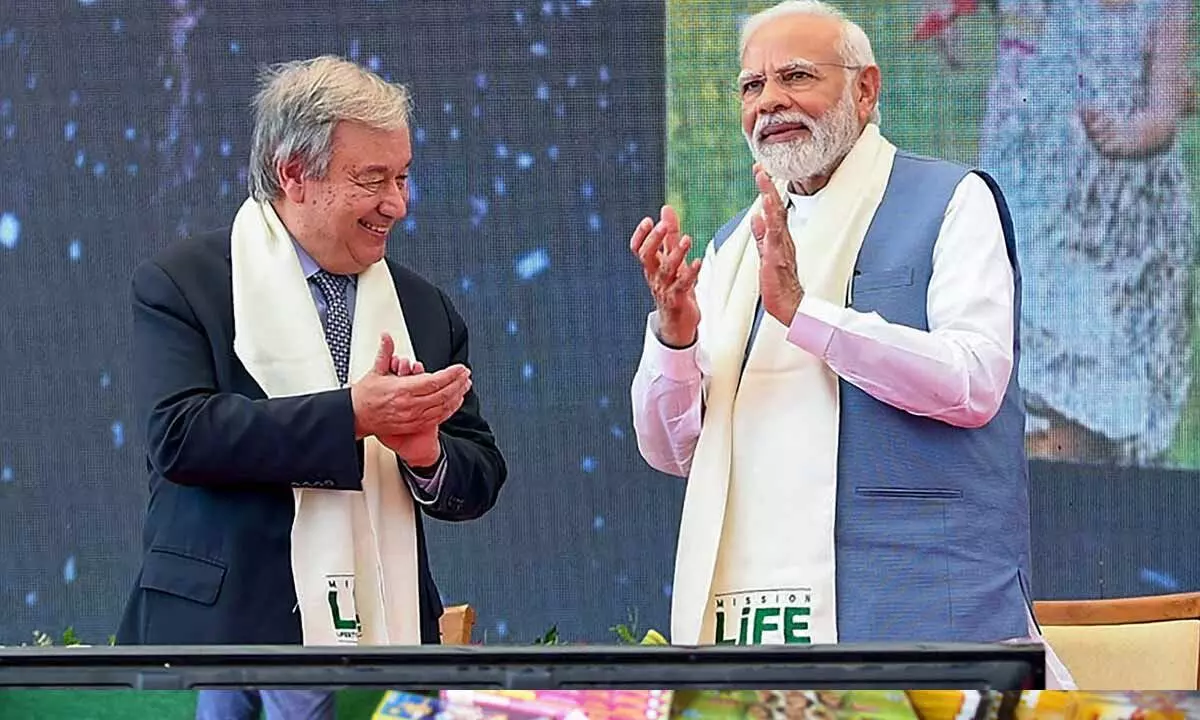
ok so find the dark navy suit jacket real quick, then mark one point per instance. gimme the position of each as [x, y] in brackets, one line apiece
[223, 459]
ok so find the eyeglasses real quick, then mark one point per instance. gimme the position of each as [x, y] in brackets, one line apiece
[794, 77]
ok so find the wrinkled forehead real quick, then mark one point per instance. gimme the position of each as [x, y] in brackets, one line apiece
[783, 41]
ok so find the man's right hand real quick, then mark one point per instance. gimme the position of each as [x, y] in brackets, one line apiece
[386, 404]
[672, 280]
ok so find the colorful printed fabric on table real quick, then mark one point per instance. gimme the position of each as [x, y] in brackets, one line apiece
[1130, 706]
[792, 705]
[1054, 705]
[397, 705]
[556, 704]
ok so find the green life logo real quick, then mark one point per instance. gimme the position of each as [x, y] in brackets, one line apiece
[341, 589]
[770, 617]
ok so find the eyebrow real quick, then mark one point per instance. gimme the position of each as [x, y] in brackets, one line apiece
[793, 64]
[799, 64]
[375, 169]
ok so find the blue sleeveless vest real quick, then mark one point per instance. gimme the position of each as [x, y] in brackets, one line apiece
[932, 524]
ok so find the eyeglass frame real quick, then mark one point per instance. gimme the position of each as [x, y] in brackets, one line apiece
[799, 64]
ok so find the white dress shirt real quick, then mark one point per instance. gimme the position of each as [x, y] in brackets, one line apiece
[956, 372]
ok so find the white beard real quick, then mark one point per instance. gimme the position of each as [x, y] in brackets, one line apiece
[831, 139]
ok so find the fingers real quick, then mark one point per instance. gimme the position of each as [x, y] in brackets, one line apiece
[448, 401]
[383, 359]
[773, 207]
[770, 226]
[670, 267]
[653, 242]
[405, 367]
[427, 385]
[436, 408]
[670, 219]
[762, 181]
[758, 227]
[440, 414]
[639, 235]
[419, 399]
[649, 252]
[685, 282]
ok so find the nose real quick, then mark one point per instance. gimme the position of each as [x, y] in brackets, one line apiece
[773, 98]
[394, 203]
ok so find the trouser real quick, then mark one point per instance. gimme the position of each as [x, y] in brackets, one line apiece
[279, 704]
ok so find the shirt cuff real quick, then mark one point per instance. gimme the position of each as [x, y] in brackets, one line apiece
[813, 325]
[425, 489]
[678, 364]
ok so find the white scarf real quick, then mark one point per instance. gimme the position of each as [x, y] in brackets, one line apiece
[747, 428]
[354, 554]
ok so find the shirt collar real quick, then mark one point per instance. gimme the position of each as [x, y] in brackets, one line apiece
[309, 266]
[803, 204]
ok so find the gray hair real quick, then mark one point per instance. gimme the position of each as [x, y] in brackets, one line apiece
[299, 103]
[855, 46]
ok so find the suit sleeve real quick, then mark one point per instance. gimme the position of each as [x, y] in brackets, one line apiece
[197, 435]
[475, 469]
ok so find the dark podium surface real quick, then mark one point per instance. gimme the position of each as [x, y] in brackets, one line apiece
[980, 667]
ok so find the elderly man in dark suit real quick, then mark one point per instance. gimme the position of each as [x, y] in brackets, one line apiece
[305, 399]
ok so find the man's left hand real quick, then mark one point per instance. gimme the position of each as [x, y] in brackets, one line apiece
[421, 449]
[778, 280]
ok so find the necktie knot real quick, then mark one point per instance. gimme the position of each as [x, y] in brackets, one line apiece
[333, 287]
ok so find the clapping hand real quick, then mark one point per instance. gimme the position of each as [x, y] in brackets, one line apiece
[671, 278]
[402, 405]
[778, 279]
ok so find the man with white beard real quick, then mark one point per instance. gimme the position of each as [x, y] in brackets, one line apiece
[837, 378]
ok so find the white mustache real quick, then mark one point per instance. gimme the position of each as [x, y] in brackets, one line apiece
[765, 121]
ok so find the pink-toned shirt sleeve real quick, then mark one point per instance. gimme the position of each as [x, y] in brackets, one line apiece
[667, 403]
[958, 370]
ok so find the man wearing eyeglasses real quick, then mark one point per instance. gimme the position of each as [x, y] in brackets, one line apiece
[837, 377]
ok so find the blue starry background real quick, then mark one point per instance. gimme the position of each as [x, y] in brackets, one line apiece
[538, 142]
